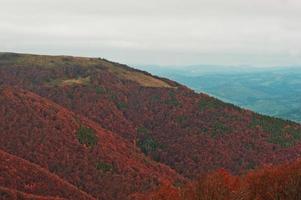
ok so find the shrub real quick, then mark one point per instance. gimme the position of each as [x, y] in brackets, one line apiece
[105, 167]
[155, 98]
[181, 119]
[70, 95]
[147, 145]
[219, 129]
[121, 106]
[100, 90]
[142, 131]
[113, 97]
[86, 136]
[145, 142]
[210, 103]
[251, 165]
[172, 100]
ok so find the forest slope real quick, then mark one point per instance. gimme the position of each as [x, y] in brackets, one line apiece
[75, 149]
[19, 177]
[192, 133]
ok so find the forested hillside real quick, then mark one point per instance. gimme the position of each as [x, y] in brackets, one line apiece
[114, 132]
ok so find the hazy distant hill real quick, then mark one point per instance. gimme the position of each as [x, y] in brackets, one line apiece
[271, 91]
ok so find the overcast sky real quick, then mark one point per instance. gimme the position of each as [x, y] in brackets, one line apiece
[165, 32]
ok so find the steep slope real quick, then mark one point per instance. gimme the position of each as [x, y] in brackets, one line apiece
[193, 133]
[74, 148]
[20, 178]
[9, 194]
[266, 183]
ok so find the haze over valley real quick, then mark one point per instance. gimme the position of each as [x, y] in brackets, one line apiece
[274, 91]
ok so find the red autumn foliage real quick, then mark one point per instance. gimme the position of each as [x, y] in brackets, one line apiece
[189, 132]
[18, 175]
[37, 130]
[10, 194]
[218, 185]
[266, 183]
[193, 133]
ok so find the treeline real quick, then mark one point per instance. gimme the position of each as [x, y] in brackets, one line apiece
[281, 182]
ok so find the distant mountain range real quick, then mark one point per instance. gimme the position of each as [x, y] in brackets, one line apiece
[274, 91]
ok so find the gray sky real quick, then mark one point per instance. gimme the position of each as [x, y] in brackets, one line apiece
[165, 32]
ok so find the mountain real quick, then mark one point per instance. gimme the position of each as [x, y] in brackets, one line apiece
[273, 91]
[115, 132]
[47, 141]
[21, 175]
[266, 183]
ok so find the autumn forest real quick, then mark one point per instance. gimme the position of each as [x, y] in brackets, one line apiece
[88, 128]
